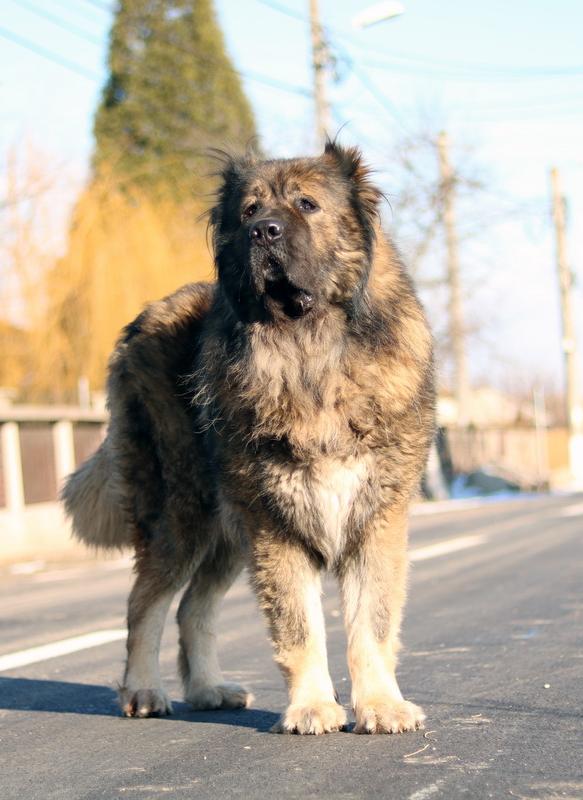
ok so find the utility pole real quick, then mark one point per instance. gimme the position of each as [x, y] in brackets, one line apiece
[569, 344]
[319, 60]
[455, 306]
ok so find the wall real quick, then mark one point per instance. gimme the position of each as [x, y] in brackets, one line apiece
[39, 447]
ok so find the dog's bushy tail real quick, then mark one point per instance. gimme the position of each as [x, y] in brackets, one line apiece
[90, 500]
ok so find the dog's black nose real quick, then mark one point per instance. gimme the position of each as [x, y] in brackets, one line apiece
[266, 231]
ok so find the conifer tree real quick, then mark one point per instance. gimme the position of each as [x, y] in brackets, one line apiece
[172, 92]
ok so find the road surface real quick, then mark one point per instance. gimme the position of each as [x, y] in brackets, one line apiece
[492, 649]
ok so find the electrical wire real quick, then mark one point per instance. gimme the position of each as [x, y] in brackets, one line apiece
[55, 20]
[496, 75]
[48, 55]
[472, 71]
[285, 10]
[250, 75]
[375, 92]
[107, 7]
[76, 8]
[397, 59]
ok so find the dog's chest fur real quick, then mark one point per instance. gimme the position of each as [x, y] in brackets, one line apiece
[292, 401]
[321, 499]
[297, 391]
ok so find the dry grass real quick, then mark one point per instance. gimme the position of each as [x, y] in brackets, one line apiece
[121, 253]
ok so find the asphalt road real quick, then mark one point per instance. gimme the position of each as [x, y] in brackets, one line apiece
[493, 651]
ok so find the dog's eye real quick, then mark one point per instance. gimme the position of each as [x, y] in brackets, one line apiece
[307, 205]
[250, 210]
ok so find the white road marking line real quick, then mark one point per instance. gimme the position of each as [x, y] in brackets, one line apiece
[86, 641]
[446, 547]
[493, 528]
[26, 567]
[440, 651]
[75, 572]
[118, 563]
[572, 511]
[62, 648]
[59, 574]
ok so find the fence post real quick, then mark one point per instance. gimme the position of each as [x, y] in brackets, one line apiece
[12, 466]
[64, 448]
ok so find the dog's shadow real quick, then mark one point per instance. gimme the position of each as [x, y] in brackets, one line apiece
[25, 694]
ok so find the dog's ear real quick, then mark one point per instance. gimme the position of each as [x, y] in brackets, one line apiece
[230, 175]
[350, 162]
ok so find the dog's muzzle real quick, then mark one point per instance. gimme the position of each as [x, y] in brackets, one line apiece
[272, 277]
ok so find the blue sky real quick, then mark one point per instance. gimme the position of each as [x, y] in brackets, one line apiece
[505, 78]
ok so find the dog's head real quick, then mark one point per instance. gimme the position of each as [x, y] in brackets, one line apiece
[293, 236]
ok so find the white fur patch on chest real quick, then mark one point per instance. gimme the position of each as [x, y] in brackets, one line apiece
[320, 496]
[335, 485]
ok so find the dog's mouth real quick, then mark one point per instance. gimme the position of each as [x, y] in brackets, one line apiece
[293, 300]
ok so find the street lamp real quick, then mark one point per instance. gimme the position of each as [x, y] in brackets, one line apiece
[378, 13]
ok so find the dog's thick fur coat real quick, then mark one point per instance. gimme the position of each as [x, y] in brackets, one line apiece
[279, 418]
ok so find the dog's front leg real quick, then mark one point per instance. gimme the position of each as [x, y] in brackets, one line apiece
[373, 583]
[288, 586]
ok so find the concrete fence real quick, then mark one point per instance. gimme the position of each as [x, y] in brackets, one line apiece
[39, 447]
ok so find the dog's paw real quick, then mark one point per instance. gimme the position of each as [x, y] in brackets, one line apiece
[319, 717]
[144, 702]
[388, 716]
[223, 695]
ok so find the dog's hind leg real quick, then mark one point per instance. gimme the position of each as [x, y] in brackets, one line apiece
[204, 686]
[142, 693]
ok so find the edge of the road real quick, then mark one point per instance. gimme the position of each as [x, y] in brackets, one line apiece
[472, 503]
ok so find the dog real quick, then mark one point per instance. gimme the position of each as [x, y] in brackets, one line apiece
[279, 418]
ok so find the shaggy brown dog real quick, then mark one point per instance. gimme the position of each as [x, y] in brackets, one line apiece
[294, 445]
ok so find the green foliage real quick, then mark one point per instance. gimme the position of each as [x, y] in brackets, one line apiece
[172, 92]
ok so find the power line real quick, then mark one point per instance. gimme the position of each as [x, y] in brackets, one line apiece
[107, 7]
[85, 13]
[48, 55]
[436, 69]
[479, 70]
[288, 12]
[532, 118]
[274, 83]
[531, 103]
[423, 66]
[55, 20]
[251, 75]
[420, 64]
[375, 92]
[360, 75]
